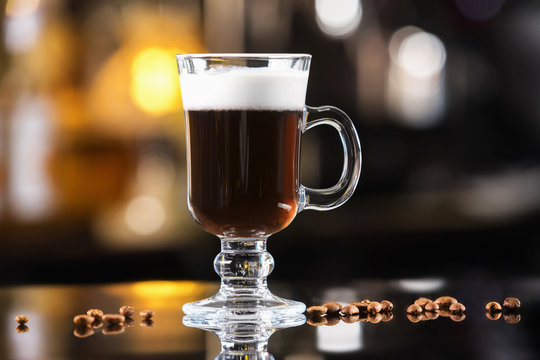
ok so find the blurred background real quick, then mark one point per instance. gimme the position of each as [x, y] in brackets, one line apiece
[444, 94]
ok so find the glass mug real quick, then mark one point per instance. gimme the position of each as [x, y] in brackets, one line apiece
[245, 114]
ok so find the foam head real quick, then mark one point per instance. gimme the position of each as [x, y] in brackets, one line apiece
[233, 88]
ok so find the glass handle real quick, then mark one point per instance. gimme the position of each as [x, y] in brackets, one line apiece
[333, 197]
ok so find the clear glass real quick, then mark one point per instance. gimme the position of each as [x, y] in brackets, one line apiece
[245, 114]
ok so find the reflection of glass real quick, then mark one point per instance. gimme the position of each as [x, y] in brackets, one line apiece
[244, 340]
[245, 115]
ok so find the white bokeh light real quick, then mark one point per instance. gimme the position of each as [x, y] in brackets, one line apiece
[338, 18]
[145, 215]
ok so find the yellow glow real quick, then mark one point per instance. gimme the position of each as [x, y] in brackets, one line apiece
[160, 289]
[154, 81]
[15, 8]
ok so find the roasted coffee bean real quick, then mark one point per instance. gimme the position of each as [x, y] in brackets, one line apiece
[148, 314]
[431, 315]
[97, 324]
[374, 307]
[348, 310]
[97, 314]
[493, 315]
[493, 307]
[83, 332]
[414, 309]
[415, 318]
[349, 319]
[457, 308]
[361, 305]
[314, 321]
[332, 307]
[21, 329]
[113, 329]
[457, 317]
[512, 318]
[315, 310]
[150, 322]
[129, 322]
[83, 320]
[332, 319]
[21, 319]
[422, 301]
[387, 305]
[374, 317]
[431, 306]
[445, 301]
[512, 304]
[127, 311]
[387, 316]
[114, 319]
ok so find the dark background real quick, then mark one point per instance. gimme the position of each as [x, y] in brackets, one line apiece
[444, 95]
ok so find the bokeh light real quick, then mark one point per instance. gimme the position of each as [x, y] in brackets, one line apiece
[338, 18]
[145, 215]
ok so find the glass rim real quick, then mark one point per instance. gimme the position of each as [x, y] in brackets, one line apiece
[255, 56]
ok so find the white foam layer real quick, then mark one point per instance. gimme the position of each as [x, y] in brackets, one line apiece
[246, 89]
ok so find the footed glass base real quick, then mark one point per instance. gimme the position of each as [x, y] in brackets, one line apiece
[258, 307]
[243, 265]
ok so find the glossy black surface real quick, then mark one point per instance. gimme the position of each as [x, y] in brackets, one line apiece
[51, 309]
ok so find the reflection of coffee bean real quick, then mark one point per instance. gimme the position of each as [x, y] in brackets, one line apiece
[113, 329]
[332, 307]
[493, 315]
[414, 309]
[315, 310]
[415, 318]
[313, 321]
[332, 319]
[129, 322]
[431, 315]
[387, 316]
[493, 306]
[374, 318]
[512, 304]
[150, 322]
[349, 319]
[444, 312]
[457, 308]
[512, 318]
[445, 301]
[457, 317]
[83, 332]
[431, 306]
[21, 329]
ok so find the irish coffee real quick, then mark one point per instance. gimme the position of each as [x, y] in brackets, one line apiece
[243, 170]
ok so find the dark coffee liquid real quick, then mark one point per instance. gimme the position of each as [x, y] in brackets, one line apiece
[244, 170]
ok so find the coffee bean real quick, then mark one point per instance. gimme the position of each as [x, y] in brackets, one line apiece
[148, 314]
[431, 306]
[387, 305]
[445, 301]
[21, 319]
[512, 304]
[457, 317]
[414, 309]
[422, 301]
[97, 314]
[493, 306]
[316, 310]
[374, 307]
[348, 310]
[114, 319]
[361, 305]
[512, 318]
[97, 324]
[457, 308]
[83, 320]
[129, 322]
[332, 307]
[127, 311]
[493, 315]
